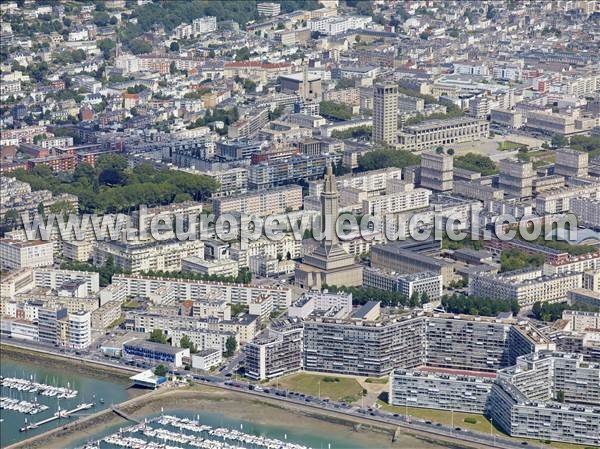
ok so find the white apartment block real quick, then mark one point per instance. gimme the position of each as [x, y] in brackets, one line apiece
[203, 25]
[591, 280]
[526, 287]
[149, 255]
[16, 254]
[207, 359]
[222, 267]
[204, 339]
[198, 290]
[559, 200]
[285, 248]
[261, 306]
[582, 321]
[578, 264]
[587, 210]
[16, 282]
[52, 279]
[338, 25]
[79, 330]
[396, 202]
[273, 201]
[372, 181]
[332, 305]
[268, 9]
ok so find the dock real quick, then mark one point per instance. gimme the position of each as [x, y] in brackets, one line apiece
[124, 415]
[58, 415]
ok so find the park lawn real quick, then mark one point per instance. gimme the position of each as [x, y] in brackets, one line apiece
[509, 145]
[482, 425]
[342, 389]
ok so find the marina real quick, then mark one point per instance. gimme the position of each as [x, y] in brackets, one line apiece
[50, 389]
[25, 407]
[16, 383]
[173, 432]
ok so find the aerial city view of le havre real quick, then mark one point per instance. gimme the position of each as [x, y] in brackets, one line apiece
[299, 224]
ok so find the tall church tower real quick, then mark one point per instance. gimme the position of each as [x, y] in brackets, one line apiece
[329, 263]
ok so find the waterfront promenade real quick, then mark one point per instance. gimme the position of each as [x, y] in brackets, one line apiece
[392, 423]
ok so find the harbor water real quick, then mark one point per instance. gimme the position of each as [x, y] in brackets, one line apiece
[100, 391]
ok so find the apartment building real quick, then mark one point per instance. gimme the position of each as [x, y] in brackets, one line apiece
[147, 255]
[372, 348]
[516, 178]
[360, 346]
[222, 267]
[203, 339]
[146, 286]
[106, 315]
[268, 9]
[524, 401]
[79, 330]
[428, 283]
[476, 190]
[396, 202]
[395, 257]
[574, 264]
[244, 327]
[587, 210]
[274, 353]
[17, 254]
[437, 171]
[372, 182]
[49, 278]
[526, 287]
[385, 113]
[433, 133]
[331, 305]
[274, 201]
[506, 117]
[465, 392]
[559, 200]
[571, 163]
[550, 123]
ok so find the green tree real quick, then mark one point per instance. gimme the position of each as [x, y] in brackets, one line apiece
[558, 141]
[387, 158]
[335, 110]
[140, 46]
[161, 370]
[476, 162]
[158, 336]
[186, 343]
[106, 46]
[174, 46]
[230, 346]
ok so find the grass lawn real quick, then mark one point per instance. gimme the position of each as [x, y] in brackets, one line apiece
[332, 387]
[509, 145]
[377, 380]
[482, 425]
[443, 417]
[130, 304]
